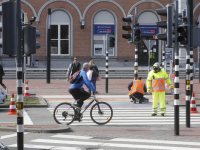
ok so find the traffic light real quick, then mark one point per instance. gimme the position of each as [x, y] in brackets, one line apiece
[30, 43]
[182, 38]
[8, 28]
[182, 29]
[128, 27]
[168, 25]
[137, 35]
[112, 41]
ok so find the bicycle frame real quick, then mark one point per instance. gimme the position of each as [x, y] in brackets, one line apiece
[90, 103]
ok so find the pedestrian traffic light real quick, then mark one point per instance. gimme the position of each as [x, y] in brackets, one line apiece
[137, 35]
[8, 28]
[112, 42]
[168, 25]
[30, 43]
[128, 27]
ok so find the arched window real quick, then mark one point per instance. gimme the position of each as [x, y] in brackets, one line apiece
[104, 22]
[60, 33]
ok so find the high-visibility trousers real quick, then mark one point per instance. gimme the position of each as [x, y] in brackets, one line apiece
[161, 97]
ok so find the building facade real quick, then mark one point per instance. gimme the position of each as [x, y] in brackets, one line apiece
[75, 25]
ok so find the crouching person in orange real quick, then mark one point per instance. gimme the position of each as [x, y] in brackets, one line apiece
[156, 84]
[136, 90]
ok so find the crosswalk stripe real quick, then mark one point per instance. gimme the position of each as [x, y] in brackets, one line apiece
[46, 147]
[132, 116]
[10, 135]
[105, 144]
[72, 136]
[156, 141]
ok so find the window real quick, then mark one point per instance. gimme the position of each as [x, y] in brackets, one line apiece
[60, 33]
[60, 39]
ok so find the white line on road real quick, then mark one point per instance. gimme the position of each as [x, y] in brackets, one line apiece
[98, 96]
[27, 119]
[10, 135]
[103, 144]
[72, 136]
[46, 147]
[156, 141]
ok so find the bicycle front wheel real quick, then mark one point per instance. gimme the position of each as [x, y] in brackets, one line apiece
[101, 113]
[64, 113]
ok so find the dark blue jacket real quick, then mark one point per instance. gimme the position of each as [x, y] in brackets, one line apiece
[85, 81]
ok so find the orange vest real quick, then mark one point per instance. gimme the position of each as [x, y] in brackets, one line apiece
[137, 86]
[158, 85]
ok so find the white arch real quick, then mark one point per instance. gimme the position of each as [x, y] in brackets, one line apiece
[52, 1]
[196, 8]
[27, 3]
[97, 1]
[144, 1]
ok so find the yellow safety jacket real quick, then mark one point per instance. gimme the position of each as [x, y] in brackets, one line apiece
[137, 86]
[156, 81]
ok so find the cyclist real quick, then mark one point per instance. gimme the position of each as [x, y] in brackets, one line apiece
[76, 89]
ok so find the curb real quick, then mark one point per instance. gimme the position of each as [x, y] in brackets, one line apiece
[62, 128]
[43, 104]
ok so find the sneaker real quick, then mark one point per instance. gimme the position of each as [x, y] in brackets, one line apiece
[6, 90]
[162, 114]
[153, 114]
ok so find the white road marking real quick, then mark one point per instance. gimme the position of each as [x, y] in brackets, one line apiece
[27, 119]
[156, 141]
[104, 144]
[46, 147]
[98, 96]
[72, 137]
[10, 135]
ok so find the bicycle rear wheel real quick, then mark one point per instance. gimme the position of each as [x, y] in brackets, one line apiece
[101, 113]
[64, 113]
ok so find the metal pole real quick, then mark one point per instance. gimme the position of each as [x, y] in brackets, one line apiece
[107, 63]
[49, 47]
[176, 79]
[26, 22]
[136, 44]
[187, 98]
[163, 56]
[20, 110]
[149, 55]
[191, 48]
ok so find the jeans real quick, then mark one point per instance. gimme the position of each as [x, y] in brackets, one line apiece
[93, 81]
[80, 95]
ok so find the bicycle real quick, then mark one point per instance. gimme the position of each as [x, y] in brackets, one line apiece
[67, 113]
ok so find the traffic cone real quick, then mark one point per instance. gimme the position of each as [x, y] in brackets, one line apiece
[193, 107]
[26, 92]
[12, 109]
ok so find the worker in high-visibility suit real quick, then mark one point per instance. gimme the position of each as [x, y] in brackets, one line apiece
[156, 84]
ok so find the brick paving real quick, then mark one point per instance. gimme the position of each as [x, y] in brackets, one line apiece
[116, 87]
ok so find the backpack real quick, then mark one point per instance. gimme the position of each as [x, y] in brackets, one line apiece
[74, 77]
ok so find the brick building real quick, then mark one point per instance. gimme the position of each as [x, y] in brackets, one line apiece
[69, 39]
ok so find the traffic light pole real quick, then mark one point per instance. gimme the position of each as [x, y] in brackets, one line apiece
[49, 47]
[20, 118]
[190, 2]
[176, 80]
[187, 98]
[106, 76]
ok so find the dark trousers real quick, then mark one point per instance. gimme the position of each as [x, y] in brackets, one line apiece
[80, 95]
[93, 81]
[3, 85]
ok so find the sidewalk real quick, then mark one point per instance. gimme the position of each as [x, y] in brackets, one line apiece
[116, 87]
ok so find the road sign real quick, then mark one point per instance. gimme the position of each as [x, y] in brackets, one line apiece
[168, 54]
[149, 30]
